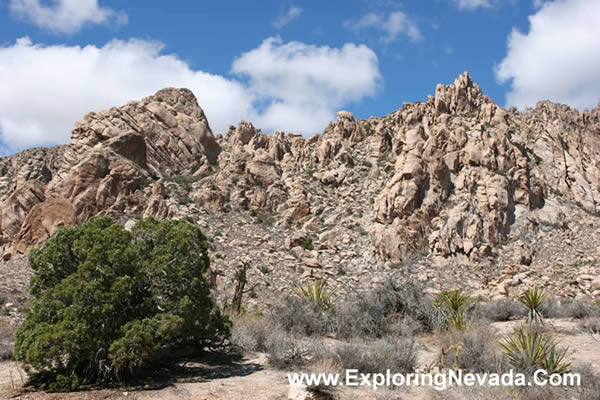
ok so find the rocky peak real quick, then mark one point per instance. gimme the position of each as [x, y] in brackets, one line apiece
[453, 178]
[463, 96]
[112, 155]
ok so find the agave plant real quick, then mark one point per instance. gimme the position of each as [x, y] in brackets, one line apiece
[453, 303]
[532, 299]
[528, 349]
[317, 293]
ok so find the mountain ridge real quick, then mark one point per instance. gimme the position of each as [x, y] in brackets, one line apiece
[453, 181]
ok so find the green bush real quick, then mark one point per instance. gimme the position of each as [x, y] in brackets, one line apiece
[106, 301]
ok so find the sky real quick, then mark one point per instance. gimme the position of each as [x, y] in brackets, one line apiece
[284, 65]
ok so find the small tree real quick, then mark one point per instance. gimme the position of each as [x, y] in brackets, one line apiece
[106, 301]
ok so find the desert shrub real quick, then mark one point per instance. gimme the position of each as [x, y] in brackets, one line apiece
[551, 308]
[578, 310]
[106, 301]
[396, 354]
[249, 332]
[568, 308]
[7, 339]
[282, 349]
[590, 324]
[6, 350]
[502, 310]
[301, 317]
[590, 381]
[373, 313]
[473, 349]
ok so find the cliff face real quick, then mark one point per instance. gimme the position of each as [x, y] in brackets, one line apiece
[450, 180]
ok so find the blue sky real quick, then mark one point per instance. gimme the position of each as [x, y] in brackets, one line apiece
[282, 64]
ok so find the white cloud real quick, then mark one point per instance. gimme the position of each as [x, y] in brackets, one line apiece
[473, 4]
[284, 19]
[65, 16]
[538, 3]
[304, 85]
[393, 25]
[45, 89]
[558, 59]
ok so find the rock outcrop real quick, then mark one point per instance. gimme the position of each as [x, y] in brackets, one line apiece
[450, 181]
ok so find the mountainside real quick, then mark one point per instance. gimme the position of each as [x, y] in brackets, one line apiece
[454, 191]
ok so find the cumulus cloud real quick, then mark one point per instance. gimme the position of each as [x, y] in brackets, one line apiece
[393, 25]
[473, 4]
[300, 86]
[558, 59]
[65, 16]
[284, 19]
[45, 89]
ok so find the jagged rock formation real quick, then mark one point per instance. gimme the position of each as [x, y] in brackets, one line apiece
[449, 181]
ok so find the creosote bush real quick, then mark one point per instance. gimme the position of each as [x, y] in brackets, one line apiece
[106, 302]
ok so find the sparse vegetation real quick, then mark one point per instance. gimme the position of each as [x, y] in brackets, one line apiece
[307, 244]
[185, 181]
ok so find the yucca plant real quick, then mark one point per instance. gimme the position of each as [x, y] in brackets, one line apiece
[453, 300]
[532, 299]
[317, 293]
[554, 362]
[456, 320]
[453, 303]
[528, 350]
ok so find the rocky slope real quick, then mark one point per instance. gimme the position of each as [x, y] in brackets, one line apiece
[454, 191]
